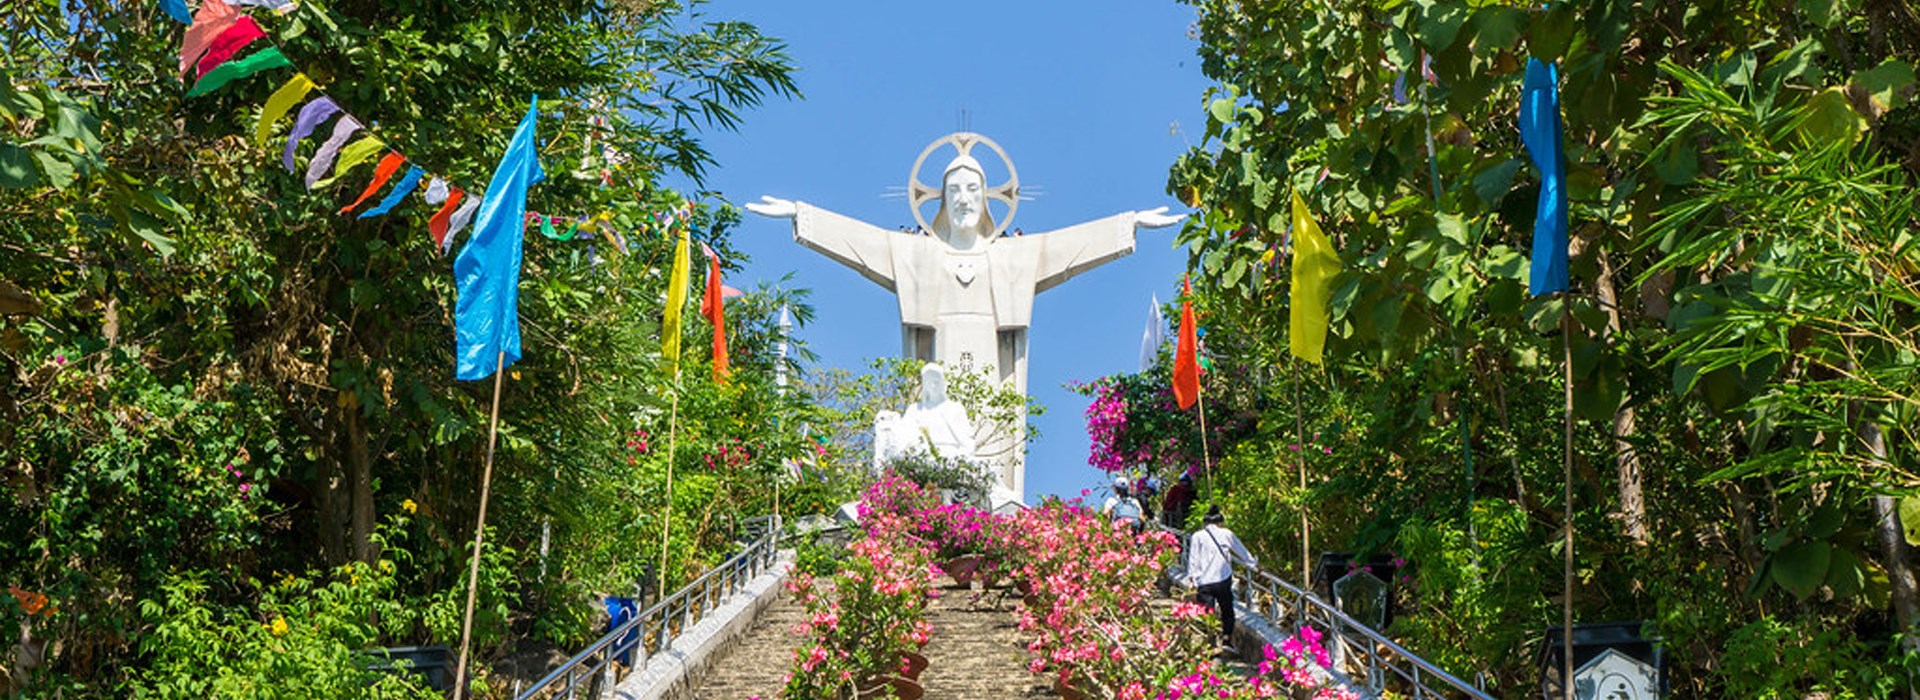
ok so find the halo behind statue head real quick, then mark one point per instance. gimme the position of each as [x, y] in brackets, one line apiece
[1007, 193]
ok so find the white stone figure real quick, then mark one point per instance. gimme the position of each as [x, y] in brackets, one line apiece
[886, 440]
[937, 424]
[965, 291]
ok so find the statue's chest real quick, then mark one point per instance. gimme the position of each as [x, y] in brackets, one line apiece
[965, 269]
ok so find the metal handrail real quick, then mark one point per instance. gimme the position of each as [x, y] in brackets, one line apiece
[654, 628]
[1382, 662]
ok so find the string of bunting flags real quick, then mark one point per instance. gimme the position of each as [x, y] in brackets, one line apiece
[217, 35]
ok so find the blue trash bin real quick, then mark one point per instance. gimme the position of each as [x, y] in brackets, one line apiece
[620, 611]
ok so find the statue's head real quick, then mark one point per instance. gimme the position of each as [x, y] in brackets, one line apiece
[933, 383]
[963, 203]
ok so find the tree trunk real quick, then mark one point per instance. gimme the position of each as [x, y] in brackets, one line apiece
[1633, 507]
[1893, 542]
[360, 468]
[327, 518]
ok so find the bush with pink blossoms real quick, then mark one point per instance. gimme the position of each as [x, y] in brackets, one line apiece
[876, 609]
[1094, 626]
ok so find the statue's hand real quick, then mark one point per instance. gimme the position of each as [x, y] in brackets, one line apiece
[1151, 218]
[778, 208]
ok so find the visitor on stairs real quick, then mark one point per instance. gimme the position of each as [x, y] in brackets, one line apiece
[1211, 552]
[1123, 507]
[1179, 500]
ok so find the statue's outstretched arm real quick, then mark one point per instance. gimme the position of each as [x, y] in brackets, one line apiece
[866, 248]
[1076, 249]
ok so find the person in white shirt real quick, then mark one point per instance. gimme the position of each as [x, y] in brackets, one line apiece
[1211, 553]
[1122, 506]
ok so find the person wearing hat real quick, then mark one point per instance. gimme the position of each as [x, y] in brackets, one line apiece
[1122, 506]
[1211, 552]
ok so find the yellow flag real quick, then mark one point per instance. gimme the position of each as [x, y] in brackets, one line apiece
[282, 100]
[676, 301]
[1314, 266]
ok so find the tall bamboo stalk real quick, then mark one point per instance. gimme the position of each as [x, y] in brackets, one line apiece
[1566, 483]
[479, 531]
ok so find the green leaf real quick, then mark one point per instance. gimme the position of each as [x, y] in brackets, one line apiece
[1440, 24]
[1828, 13]
[1550, 35]
[1889, 86]
[59, 172]
[1497, 28]
[16, 167]
[1846, 575]
[1829, 118]
[1493, 183]
[1221, 110]
[1910, 519]
[1802, 566]
[149, 228]
[1678, 164]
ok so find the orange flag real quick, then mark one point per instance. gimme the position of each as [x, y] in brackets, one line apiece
[713, 306]
[381, 173]
[1186, 360]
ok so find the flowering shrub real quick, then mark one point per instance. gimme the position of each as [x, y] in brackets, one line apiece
[876, 611]
[1094, 628]
[1106, 426]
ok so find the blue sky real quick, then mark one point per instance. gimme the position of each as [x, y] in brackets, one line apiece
[1083, 95]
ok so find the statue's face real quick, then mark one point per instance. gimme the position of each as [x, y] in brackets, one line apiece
[965, 199]
[932, 385]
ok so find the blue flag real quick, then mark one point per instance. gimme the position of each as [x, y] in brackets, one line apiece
[1540, 131]
[486, 276]
[177, 9]
[407, 183]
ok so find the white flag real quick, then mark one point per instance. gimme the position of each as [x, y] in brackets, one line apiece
[1154, 337]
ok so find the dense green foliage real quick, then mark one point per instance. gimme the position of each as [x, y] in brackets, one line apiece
[1739, 334]
[213, 389]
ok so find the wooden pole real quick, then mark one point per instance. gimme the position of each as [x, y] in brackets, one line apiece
[1300, 437]
[1206, 459]
[666, 525]
[1566, 481]
[479, 531]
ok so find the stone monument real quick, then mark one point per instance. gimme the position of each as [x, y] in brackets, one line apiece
[965, 287]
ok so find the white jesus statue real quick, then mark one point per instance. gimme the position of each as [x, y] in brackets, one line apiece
[965, 291]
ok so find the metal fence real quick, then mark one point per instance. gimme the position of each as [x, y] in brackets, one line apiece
[1362, 653]
[589, 672]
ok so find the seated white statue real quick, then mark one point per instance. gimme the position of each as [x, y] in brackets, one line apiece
[937, 426]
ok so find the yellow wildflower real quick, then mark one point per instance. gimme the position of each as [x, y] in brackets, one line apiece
[409, 506]
[279, 626]
[386, 566]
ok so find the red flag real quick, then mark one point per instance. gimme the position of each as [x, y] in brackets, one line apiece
[438, 224]
[1186, 361]
[381, 173]
[713, 306]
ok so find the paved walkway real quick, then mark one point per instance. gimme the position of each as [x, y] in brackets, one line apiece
[757, 666]
[976, 653]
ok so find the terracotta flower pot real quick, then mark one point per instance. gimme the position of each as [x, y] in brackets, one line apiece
[912, 664]
[962, 569]
[1068, 692]
[880, 687]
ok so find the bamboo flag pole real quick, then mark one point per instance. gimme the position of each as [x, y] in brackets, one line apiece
[666, 525]
[1566, 481]
[479, 531]
[1206, 459]
[1300, 437]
